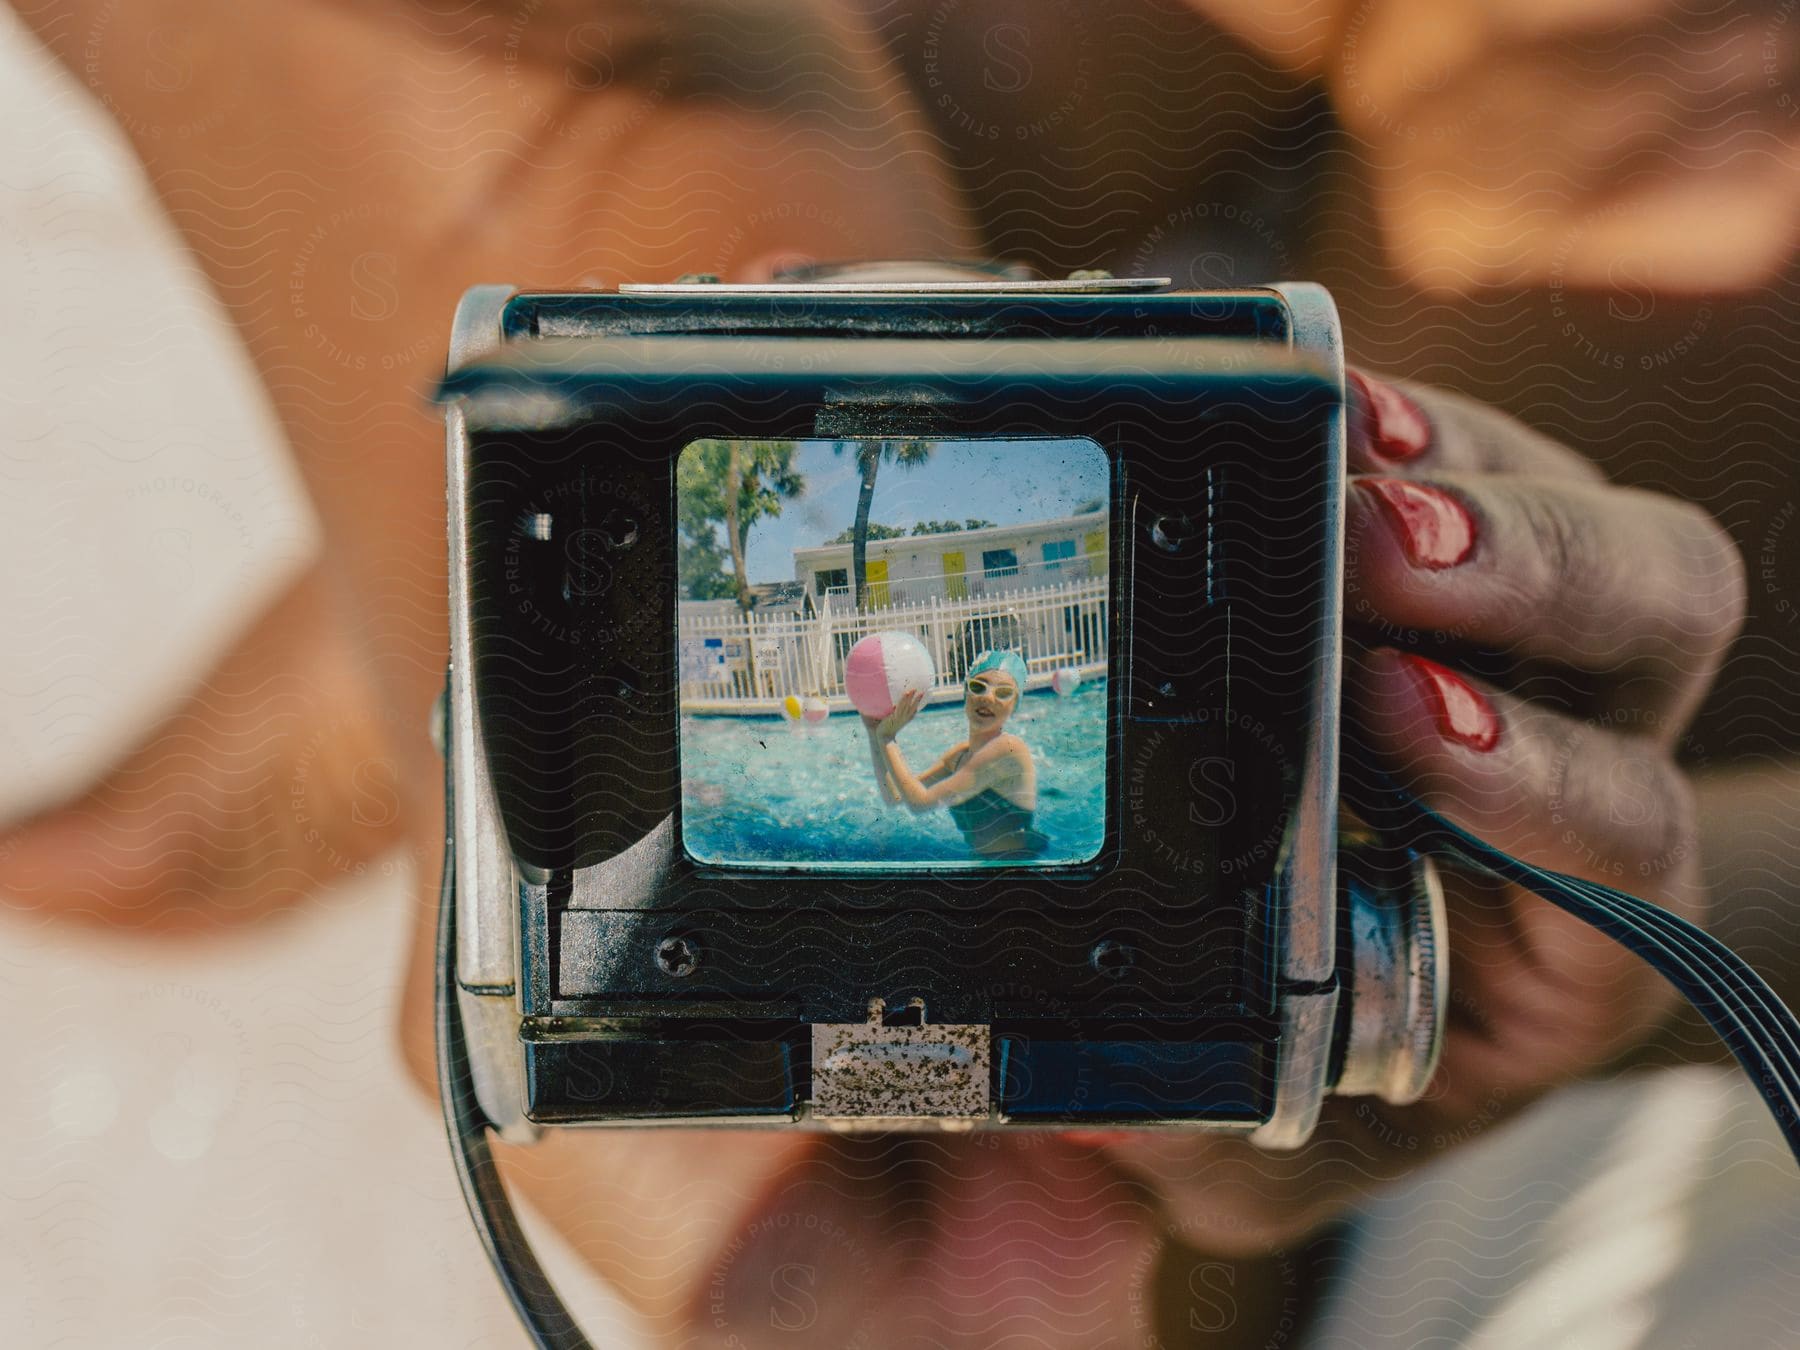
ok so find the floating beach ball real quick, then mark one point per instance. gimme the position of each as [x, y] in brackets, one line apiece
[795, 709]
[1066, 681]
[882, 667]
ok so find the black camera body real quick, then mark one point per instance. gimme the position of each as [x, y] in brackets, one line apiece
[1226, 957]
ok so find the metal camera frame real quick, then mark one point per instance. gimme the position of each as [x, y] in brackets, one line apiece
[1385, 1044]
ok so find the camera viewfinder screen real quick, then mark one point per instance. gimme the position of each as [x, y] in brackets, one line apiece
[893, 653]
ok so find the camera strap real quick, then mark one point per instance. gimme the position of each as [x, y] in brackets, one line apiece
[533, 1297]
[1757, 1027]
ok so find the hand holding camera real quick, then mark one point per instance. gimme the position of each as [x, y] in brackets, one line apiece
[1534, 642]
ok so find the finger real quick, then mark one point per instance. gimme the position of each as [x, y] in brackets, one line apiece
[274, 777]
[1538, 996]
[1563, 793]
[1597, 578]
[1396, 427]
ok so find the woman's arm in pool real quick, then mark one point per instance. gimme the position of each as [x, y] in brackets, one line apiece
[885, 781]
[997, 763]
[881, 730]
[993, 766]
[941, 769]
[877, 761]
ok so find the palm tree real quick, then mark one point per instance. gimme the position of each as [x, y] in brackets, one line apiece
[734, 484]
[870, 456]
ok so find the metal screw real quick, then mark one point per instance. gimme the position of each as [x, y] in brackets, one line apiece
[678, 956]
[1172, 533]
[1112, 959]
[620, 529]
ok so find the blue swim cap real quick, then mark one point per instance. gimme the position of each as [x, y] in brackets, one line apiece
[1008, 663]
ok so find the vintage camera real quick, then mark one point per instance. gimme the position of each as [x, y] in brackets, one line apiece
[1096, 525]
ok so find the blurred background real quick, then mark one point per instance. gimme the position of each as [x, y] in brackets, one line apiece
[212, 1141]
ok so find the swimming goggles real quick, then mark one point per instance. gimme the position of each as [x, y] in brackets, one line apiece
[1006, 694]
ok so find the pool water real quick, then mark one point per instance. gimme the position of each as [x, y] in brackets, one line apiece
[763, 791]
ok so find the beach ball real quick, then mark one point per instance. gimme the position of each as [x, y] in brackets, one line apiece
[815, 710]
[882, 667]
[1066, 681]
[792, 709]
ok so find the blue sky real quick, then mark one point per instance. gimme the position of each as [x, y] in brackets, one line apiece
[1002, 481]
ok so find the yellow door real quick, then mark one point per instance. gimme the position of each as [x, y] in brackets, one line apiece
[956, 577]
[1095, 548]
[878, 583]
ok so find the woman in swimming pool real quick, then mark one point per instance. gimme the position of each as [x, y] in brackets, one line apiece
[988, 781]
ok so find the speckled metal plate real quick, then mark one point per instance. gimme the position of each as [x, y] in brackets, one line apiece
[868, 1069]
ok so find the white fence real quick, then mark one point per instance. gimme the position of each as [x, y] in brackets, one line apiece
[735, 663]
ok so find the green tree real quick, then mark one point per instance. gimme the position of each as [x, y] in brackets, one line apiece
[950, 526]
[847, 535]
[704, 565]
[870, 456]
[728, 486]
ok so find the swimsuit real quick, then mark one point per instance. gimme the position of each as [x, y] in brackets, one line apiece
[987, 818]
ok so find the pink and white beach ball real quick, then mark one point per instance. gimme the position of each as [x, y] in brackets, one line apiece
[1066, 680]
[882, 667]
[811, 709]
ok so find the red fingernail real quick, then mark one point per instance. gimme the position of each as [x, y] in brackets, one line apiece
[1462, 714]
[1436, 529]
[1397, 427]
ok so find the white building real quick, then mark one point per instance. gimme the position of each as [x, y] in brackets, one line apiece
[961, 564]
[1039, 588]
